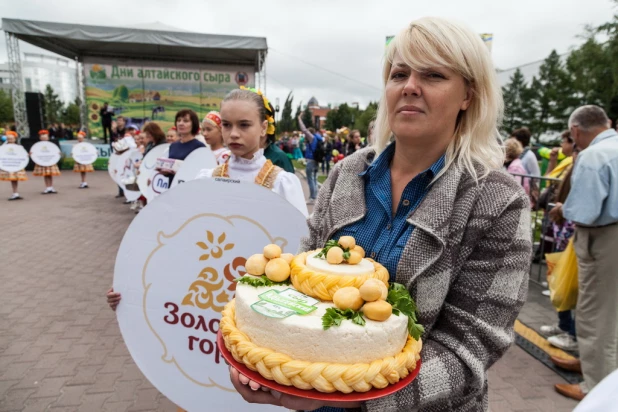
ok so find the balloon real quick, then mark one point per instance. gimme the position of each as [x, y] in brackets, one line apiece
[340, 157]
[545, 151]
[335, 152]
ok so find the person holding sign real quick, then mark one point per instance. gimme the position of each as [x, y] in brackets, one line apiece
[211, 130]
[429, 202]
[80, 168]
[247, 119]
[48, 172]
[13, 177]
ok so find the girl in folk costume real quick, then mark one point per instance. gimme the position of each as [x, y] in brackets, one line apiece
[171, 136]
[80, 168]
[13, 177]
[246, 121]
[211, 130]
[48, 172]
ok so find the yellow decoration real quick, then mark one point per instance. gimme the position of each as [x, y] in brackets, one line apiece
[348, 298]
[272, 251]
[347, 242]
[277, 270]
[372, 290]
[359, 250]
[288, 257]
[379, 310]
[256, 265]
[334, 256]
[322, 376]
[322, 285]
[355, 258]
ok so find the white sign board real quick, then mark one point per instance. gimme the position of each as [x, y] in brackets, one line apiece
[45, 153]
[126, 170]
[202, 158]
[84, 153]
[152, 183]
[175, 270]
[13, 157]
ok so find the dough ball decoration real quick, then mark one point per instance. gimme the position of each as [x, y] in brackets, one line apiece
[344, 250]
[374, 301]
[268, 268]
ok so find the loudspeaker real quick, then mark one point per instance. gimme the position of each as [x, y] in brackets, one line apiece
[35, 109]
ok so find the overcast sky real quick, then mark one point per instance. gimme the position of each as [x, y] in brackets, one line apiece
[344, 36]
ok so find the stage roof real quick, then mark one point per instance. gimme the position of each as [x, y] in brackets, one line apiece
[77, 40]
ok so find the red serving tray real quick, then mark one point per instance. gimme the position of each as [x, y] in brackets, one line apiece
[314, 394]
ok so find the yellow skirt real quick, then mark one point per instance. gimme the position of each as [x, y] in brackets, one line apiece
[13, 176]
[46, 170]
[79, 168]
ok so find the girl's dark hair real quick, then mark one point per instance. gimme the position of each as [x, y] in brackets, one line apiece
[155, 131]
[523, 135]
[567, 135]
[250, 96]
[195, 122]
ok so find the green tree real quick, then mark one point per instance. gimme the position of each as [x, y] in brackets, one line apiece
[365, 117]
[518, 103]
[71, 114]
[53, 106]
[340, 116]
[553, 96]
[307, 117]
[298, 113]
[121, 93]
[286, 124]
[6, 107]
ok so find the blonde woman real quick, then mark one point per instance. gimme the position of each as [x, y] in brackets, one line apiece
[513, 164]
[430, 202]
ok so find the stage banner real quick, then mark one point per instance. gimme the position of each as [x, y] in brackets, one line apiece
[142, 92]
[175, 271]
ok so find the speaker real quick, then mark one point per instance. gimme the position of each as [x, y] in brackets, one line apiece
[35, 109]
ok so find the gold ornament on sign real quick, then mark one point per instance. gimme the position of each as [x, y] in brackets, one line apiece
[214, 250]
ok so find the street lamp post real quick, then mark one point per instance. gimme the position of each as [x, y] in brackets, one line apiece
[277, 109]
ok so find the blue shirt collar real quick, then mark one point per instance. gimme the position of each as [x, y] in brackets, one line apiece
[604, 135]
[381, 165]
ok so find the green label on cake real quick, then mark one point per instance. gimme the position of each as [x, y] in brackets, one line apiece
[272, 311]
[290, 299]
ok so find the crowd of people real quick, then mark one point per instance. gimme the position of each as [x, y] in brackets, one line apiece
[579, 194]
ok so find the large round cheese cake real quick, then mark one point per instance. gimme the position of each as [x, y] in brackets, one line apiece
[334, 325]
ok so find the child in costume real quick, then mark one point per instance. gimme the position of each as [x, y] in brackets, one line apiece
[171, 136]
[247, 118]
[211, 130]
[80, 168]
[48, 172]
[13, 177]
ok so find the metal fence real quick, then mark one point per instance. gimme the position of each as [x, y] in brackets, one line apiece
[542, 229]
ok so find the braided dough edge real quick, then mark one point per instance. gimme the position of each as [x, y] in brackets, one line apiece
[323, 285]
[322, 376]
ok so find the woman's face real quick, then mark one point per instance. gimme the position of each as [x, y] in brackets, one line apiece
[147, 138]
[183, 125]
[80, 138]
[423, 106]
[44, 137]
[10, 139]
[567, 147]
[120, 123]
[212, 134]
[243, 131]
[171, 136]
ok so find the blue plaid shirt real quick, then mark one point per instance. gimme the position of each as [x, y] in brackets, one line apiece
[382, 235]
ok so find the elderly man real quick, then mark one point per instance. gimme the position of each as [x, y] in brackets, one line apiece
[593, 205]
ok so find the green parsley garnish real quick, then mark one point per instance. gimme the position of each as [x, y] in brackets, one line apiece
[331, 244]
[261, 281]
[400, 299]
[333, 317]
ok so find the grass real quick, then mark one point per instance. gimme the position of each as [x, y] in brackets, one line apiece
[298, 164]
[67, 164]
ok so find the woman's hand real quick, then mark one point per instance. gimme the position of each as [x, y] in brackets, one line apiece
[553, 155]
[113, 298]
[555, 215]
[253, 392]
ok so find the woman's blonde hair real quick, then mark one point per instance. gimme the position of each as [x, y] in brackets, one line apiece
[435, 42]
[512, 148]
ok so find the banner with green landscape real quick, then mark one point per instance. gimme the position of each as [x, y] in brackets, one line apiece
[141, 92]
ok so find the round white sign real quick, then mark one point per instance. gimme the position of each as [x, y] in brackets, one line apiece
[13, 158]
[126, 172]
[175, 270]
[148, 175]
[45, 153]
[112, 166]
[84, 153]
[202, 158]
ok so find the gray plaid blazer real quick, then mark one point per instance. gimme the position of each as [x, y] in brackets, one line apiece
[466, 265]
